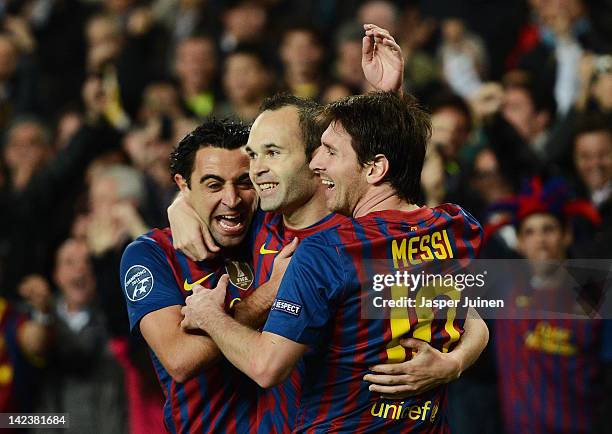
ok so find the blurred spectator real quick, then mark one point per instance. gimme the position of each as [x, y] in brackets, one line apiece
[301, 53]
[463, 58]
[421, 71]
[53, 187]
[184, 18]
[244, 23]
[18, 91]
[26, 151]
[380, 12]
[596, 84]
[58, 27]
[23, 341]
[148, 149]
[124, 46]
[531, 111]
[195, 66]
[593, 160]
[593, 165]
[552, 369]
[445, 172]
[348, 56]
[160, 99]
[115, 195]
[246, 82]
[82, 378]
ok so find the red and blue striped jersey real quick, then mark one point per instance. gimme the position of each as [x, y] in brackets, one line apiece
[12, 361]
[277, 406]
[549, 371]
[324, 287]
[154, 275]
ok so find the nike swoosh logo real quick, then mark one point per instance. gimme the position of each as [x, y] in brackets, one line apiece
[264, 251]
[189, 286]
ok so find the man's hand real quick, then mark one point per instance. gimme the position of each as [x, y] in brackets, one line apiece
[190, 234]
[427, 369]
[381, 59]
[202, 302]
[36, 291]
[487, 100]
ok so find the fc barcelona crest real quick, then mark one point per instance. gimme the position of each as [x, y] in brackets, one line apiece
[240, 274]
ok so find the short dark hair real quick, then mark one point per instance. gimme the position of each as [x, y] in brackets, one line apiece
[302, 27]
[251, 50]
[592, 122]
[447, 99]
[540, 94]
[389, 124]
[225, 134]
[309, 113]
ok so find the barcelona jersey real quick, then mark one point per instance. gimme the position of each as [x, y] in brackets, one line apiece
[319, 304]
[549, 368]
[277, 406]
[154, 275]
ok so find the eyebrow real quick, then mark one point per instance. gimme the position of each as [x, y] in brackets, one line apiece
[328, 145]
[210, 176]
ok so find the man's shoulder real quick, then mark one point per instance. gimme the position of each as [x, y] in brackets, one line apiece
[155, 243]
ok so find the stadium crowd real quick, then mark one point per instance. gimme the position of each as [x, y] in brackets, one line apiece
[94, 95]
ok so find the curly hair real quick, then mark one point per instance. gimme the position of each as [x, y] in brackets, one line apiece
[224, 133]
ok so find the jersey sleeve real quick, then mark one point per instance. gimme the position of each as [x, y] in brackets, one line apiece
[308, 295]
[147, 280]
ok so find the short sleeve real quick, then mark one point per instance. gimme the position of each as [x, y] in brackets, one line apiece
[147, 280]
[308, 295]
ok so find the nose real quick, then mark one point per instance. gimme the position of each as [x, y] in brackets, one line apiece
[257, 168]
[231, 198]
[316, 162]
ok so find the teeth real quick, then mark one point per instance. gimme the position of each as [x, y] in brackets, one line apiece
[267, 186]
[230, 217]
[225, 226]
[328, 182]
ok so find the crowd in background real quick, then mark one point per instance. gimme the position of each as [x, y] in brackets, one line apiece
[94, 94]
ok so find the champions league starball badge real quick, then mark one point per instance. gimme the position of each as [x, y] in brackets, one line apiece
[138, 282]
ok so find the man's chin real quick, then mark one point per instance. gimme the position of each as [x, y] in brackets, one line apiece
[227, 241]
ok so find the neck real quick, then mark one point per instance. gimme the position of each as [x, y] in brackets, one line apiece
[381, 198]
[308, 213]
[191, 89]
[297, 76]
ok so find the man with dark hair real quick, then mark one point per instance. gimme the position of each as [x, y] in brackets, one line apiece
[531, 110]
[301, 52]
[246, 81]
[202, 392]
[363, 168]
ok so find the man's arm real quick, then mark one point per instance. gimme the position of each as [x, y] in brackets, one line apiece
[429, 367]
[266, 358]
[183, 354]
